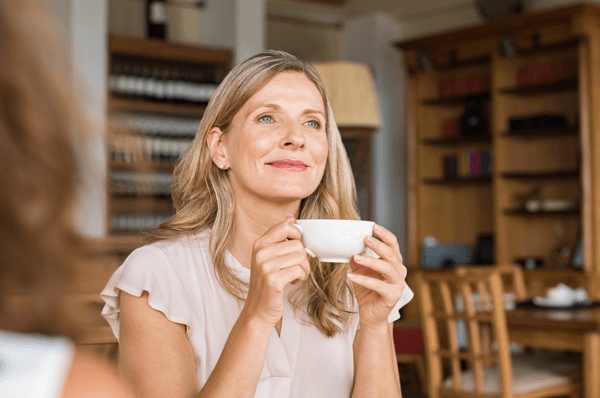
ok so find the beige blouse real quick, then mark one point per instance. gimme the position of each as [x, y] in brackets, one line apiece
[180, 280]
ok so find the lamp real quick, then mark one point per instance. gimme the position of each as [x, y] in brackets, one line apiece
[351, 92]
[354, 104]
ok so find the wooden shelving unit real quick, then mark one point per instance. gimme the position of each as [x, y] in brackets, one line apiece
[141, 166]
[545, 132]
[542, 88]
[116, 104]
[157, 52]
[459, 140]
[456, 99]
[552, 163]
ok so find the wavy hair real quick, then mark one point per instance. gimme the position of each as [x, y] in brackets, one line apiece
[203, 197]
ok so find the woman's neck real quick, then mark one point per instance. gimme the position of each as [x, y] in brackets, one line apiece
[252, 221]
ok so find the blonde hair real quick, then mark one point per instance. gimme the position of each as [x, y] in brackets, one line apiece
[203, 197]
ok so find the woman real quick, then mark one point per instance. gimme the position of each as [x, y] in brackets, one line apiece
[225, 302]
[39, 246]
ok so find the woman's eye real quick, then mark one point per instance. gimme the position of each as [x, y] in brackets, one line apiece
[266, 119]
[314, 123]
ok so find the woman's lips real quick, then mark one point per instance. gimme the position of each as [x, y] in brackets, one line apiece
[289, 165]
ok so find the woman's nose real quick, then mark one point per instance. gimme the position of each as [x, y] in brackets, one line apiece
[294, 137]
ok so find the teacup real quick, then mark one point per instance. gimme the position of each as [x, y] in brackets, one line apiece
[334, 241]
[560, 294]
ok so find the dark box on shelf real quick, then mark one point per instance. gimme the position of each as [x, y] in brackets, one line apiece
[447, 255]
[537, 122]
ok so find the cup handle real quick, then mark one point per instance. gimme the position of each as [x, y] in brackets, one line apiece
[310, 253]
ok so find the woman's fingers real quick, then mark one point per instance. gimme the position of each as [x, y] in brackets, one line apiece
[293, 275]
[279, 233]
[388, 271]
[296, 258]
[382, 288]
[388, 238]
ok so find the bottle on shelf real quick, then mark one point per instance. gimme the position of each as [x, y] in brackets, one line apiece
[158, 84]
[148, 80]
[156, 18]
[115, 74]
[167, 77]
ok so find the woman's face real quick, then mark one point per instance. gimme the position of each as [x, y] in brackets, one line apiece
[276, 148]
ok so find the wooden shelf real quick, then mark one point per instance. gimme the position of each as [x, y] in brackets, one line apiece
[458, 99]
[544, 132]
[565, 45]
[467, 63]
[140, 205]
[458, 140]
[161, 49]
[542, 174]
[142, 166]
[116, 104]
[461, 180]
[525, 212]
[542, 88]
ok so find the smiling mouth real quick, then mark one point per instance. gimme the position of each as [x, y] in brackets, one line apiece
[289, 165]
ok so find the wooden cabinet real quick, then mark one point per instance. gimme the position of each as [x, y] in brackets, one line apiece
[542, 191]
[158, 92]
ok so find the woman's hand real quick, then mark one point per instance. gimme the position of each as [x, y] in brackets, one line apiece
[278, 259]
[378, 282]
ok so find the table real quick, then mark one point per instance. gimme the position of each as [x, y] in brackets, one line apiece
[573, 330]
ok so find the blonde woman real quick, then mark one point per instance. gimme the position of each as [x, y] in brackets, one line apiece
[225, 301]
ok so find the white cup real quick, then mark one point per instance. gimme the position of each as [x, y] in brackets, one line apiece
[560, 294]
[334, 241]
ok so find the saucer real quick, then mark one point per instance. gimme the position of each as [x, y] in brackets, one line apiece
[545, 302]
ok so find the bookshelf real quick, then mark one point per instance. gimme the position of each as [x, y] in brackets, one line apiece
[554, 71]
[157, 95]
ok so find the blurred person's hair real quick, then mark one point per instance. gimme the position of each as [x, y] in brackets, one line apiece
[41, 128]
[203, 197]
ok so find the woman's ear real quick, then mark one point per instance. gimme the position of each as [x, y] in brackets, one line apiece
[217, 147]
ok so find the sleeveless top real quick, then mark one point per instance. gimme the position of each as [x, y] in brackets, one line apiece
[180, 279]
[33, 366]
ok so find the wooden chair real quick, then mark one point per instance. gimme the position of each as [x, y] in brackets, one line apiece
[490, 371]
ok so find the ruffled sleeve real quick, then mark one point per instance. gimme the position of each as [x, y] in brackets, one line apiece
[147, 269]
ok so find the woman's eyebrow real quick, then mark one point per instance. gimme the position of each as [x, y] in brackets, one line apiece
[309, 111]
[268, 105]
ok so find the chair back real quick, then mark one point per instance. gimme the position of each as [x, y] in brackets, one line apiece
[479, 290]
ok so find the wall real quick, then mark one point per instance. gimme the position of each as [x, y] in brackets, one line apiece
[88, 33]
[366, 39]
[315, 44]
[85, 25]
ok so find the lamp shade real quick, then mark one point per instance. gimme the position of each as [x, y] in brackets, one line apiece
[351, 92]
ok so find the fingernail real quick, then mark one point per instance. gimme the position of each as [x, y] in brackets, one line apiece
[358, 257]
[351, 276]
[368, 238]
[290, 218]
